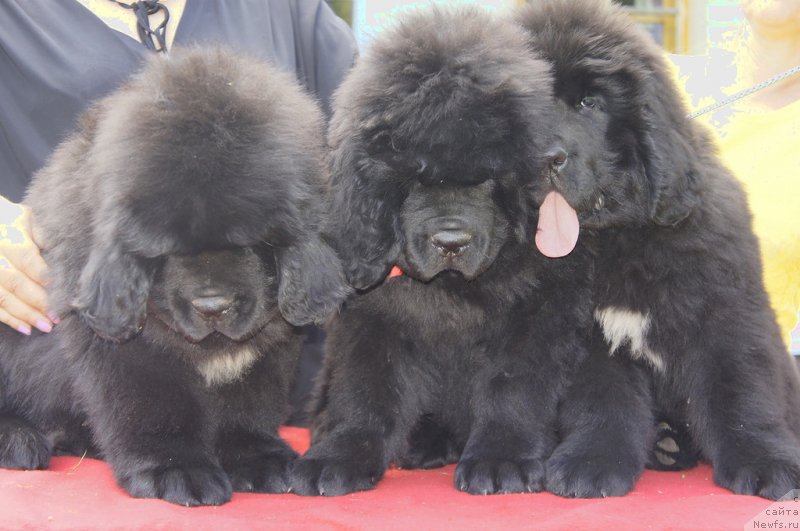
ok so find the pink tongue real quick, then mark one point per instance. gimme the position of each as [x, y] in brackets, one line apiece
[558, 228]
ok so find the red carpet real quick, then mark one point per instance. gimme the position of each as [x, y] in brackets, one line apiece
[77, 494]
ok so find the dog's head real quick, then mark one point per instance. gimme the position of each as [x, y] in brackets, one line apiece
[628, 155]
[436, 135]
[207, 155]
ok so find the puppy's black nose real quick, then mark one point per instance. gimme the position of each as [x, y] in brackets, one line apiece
[451, 241]
[557, 158]
[212, 307]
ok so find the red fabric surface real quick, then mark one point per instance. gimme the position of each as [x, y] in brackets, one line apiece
[81, 494]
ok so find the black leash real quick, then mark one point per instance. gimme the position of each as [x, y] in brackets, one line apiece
[143, 9]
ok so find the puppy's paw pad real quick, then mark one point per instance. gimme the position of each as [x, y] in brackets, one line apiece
[673, 449]
[22, 447]
[189, 485]
[495, 476]
[330, 477]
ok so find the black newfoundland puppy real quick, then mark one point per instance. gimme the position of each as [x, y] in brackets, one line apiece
[679, 298]
[436, 136]
[192, 195]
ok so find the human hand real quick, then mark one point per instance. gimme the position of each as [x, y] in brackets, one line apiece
[23, 301]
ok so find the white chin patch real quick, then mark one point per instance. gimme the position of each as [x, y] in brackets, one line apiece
[229, 367]
[622, 326]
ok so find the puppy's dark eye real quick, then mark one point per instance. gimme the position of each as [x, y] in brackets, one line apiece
[589, 102]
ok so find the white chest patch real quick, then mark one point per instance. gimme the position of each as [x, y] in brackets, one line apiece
[622, 326]
[228, 367]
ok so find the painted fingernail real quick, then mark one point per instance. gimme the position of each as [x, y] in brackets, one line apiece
[44, 326]
[53, 317]
[24, 329]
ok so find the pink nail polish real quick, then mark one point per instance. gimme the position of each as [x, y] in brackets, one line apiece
[44, 326]
[53, 317]
[24, 329]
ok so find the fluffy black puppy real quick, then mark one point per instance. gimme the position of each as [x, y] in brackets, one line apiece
[192, 194]
[678, 293]
[436, 137]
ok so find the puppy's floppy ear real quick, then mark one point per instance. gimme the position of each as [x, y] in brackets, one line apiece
[364, 211]
[113, 290]
[312, 284]
[667, 154]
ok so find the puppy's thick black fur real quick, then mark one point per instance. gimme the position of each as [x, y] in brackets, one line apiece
[438, 138]
[176, 222]
[678, 292]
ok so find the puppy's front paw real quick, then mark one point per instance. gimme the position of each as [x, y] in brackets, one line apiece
[596, 473]
[189, 484]
[22, 447]
[767, 475]
[331, 476]
[268, 472]
[498, 476]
